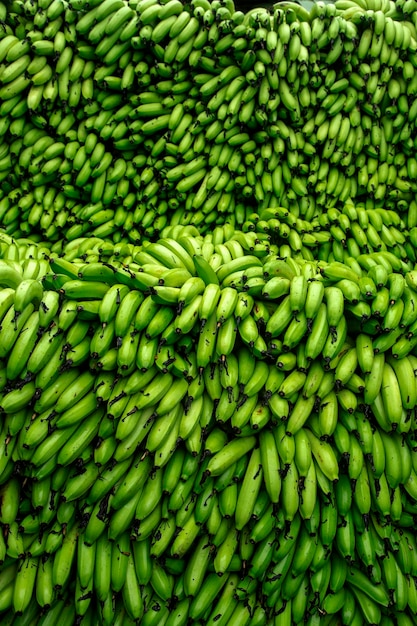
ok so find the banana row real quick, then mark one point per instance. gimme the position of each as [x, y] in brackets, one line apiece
[176, 292]
[343, 234]
[350, 233]
[174, 289]
[268, 587]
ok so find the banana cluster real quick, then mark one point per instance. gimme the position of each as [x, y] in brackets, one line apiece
[208, 313]
[201, 429]
[346, 235]
[119, 118]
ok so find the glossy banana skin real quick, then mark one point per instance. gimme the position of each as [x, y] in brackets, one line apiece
[118, 470]
[286, 335]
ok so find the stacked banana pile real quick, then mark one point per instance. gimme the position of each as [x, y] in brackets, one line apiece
[119, 117]
[208, 313]
[202, 430]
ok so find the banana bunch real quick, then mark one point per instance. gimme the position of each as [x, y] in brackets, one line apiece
[208, 315]
[199, 410]
[121, 118]
[341, 235]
